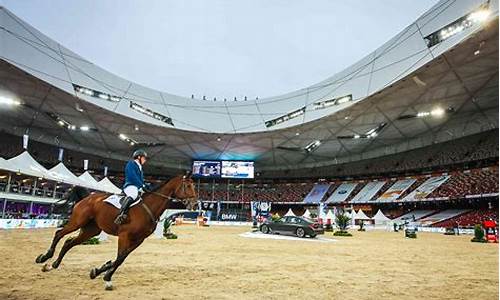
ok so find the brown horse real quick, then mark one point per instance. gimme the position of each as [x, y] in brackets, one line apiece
[92, 215]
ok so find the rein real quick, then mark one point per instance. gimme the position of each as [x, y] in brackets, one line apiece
[165, 197]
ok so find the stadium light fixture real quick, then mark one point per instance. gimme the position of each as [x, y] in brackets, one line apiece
[437, 112]
[95, 94]
[122, 136]
[479, 16]
[289, 116]
[84, 128]
[152, 114]
[332, 102]
[476, 17]
[423, 114]
[9, 101]
[312, 145]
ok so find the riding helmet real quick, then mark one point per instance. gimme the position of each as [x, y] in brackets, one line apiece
[139, 153]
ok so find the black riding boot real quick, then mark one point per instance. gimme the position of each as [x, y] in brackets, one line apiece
[122, 216]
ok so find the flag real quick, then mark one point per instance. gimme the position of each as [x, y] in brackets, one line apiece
[25, 141]
[61, 153]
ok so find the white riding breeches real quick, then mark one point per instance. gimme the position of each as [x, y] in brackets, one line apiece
[131, 191]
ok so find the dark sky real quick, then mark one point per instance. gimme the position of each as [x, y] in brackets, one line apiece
[221, 48]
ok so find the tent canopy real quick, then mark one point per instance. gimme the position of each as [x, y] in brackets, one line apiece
[91, 182]
[360, 215]
[380, 218]
[105, 183]
[5, 165]
[289, 213]
[24, 163]
[60, 171]
[307, 214]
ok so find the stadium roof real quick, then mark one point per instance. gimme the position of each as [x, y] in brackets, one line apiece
[436, 80]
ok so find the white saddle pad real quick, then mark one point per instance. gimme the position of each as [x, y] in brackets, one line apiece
[115, 201]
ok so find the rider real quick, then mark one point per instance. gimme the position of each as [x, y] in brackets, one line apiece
[134, 181]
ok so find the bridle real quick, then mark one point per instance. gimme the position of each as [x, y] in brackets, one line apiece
[166, 197]
[173, 199]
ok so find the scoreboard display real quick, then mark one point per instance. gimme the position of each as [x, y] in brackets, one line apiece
[237, 169]
[204, 168]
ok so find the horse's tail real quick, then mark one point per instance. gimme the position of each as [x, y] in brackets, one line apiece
[68, 201]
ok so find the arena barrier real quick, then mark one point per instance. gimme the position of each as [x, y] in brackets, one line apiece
[28, 223]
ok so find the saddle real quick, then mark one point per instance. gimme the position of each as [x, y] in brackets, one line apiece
[117, 200]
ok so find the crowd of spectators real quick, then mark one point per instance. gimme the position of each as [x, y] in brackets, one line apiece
[464, 153]
[467, 183]
[469, 219]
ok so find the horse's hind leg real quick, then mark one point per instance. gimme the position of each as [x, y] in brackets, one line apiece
[60, 233]
[86, 232]
[77, 220]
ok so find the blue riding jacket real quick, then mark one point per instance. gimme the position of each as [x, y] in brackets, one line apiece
[133, 175]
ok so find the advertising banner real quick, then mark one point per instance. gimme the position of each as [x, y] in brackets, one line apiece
[396, 190]
[341, 193]
[317, 193]
[426, 188]
[368, 191]
[28, 223]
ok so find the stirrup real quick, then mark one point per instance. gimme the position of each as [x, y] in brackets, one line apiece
[120, 219]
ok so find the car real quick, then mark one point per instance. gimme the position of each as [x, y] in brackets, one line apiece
[298, 226]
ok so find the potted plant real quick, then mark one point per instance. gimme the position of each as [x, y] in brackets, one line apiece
[167, 230]
[478, 235]
[342, 221]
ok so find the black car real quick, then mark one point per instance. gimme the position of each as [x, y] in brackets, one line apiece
[299, 226]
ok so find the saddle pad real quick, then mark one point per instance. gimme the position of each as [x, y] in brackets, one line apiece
[115, 201]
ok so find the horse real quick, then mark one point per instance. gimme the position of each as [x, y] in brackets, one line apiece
[92, 215]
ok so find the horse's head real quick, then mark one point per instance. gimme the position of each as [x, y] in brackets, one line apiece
[184, 190]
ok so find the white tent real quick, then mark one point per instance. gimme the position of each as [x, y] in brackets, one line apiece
[5, 165]
[24, 163]
[60, 171]
[360, 215]
[330, 215]
[90, 181]
[105, 183]
[353, 216]
[379, 218]
[307, 214]
[289, 213]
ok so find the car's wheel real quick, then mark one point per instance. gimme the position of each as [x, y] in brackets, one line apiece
[264, 229]
[300, 232]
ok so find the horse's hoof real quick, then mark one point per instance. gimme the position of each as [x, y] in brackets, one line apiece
[108, 285]
[46, 268]
[93, 273]
[40, 259]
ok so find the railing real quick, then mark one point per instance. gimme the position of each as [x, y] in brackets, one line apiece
[29, 191]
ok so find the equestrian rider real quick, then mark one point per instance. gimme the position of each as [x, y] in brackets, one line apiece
[134, 181]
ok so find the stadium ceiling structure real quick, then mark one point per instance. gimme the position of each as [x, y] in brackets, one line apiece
[435, 81]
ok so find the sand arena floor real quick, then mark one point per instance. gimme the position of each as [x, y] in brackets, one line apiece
[216, 263]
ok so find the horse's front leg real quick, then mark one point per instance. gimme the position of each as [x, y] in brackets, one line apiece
[125, 247]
